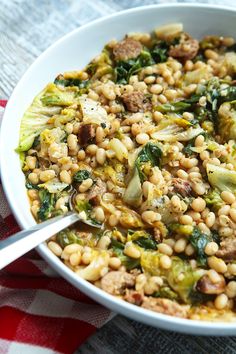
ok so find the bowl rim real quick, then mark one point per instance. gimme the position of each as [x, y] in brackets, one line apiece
[132, 311]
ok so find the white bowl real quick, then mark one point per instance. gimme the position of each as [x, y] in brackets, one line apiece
[73, 52]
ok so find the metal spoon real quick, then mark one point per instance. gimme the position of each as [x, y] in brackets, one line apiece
[22, 242]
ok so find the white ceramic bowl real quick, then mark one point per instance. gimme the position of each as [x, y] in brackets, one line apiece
[73, 52]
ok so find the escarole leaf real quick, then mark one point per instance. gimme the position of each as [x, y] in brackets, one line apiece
[100, 66]
[142, 239]
[84, 208]
[55, 96]
[54, 186]
[118, 249]
[199, 240]
[30, 185]
[184, 286]
[81, 175]
[47, 204]
[179, 106]
[92, 111]
[133, 192]
[221, 178]
[227, 121]
[159, 51]
[157, 54]
[213, 199]
[119, 149]
[125, 69]
[71, 81]
[167, 293]
[150, 263]
[217, 94]
[67, 236]
[34, 121]
[221, 98]
[173, 129]
[152, 153]
[231, 155]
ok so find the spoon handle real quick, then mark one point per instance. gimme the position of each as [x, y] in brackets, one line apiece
[15, 246]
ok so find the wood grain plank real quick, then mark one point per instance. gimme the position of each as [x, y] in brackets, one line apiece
[13, 63]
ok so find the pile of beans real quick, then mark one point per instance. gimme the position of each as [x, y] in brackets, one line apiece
[180, 182]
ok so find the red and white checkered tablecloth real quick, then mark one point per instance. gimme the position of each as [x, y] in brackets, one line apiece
[41, 313]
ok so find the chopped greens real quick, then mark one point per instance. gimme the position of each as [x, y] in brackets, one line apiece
[160, 49]
[71, 82]
[47, 204]
[133, 193]
[146, 243]
[179, 229]
[85, 208]
[34, 121]
[213, 199]
[125, 69]
[118, 249]
[142, 239]
[156, 158]
[167, 293]
[221, 178]
[157, 54]
[150, 153]
[81, 175]
[175, 107]
[30, 185]
[199, 240]
[216, 94]
[66, 237]
[188, 147]
[83, 205]
[185, 285]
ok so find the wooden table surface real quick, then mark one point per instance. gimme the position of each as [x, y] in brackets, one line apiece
[28, 27]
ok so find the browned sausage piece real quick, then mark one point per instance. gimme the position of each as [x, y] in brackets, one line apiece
[129, 48]
[165, 306]
[134, 297]
[157, 235]
[206, 286]
[96, 192]
[136, 102]
[227, 249]
[181, 187]
[116, 282]
[186, 50]
[86, 134]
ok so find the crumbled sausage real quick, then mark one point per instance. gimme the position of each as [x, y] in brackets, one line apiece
[206, 286]
[157, 234]
[186, 50]
[165, 306]
[96, 192]
[227, 249]
[136, 101]
[181, 187]
[129, 48]
[134, 297]
[86, 134]
[116, 282]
